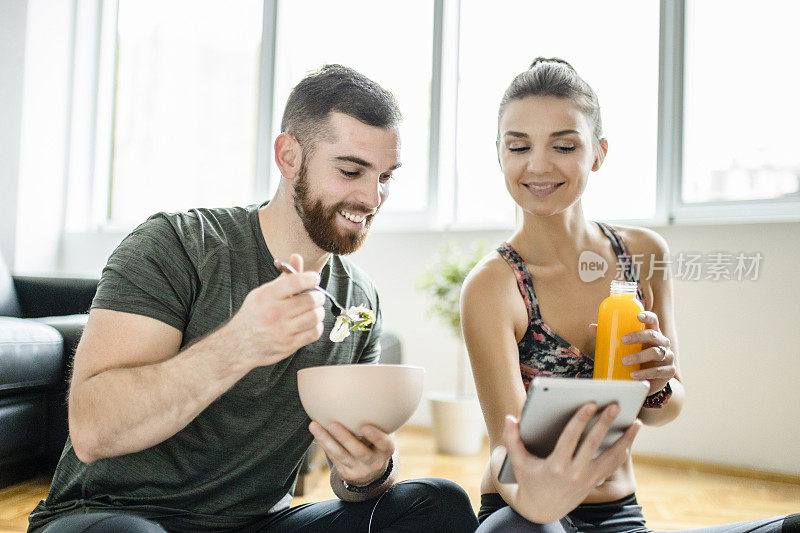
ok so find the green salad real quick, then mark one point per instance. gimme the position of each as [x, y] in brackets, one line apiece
[344, 324]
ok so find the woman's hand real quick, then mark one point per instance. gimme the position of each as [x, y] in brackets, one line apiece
[548, 489]
[657, 359]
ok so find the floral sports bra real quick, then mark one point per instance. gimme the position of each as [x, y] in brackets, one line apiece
[542, 352]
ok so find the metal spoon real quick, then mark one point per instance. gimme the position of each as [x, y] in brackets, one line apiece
[336, 308]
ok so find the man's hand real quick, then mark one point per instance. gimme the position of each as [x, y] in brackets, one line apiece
[132, 387]
[357, 461]
[549, 488]
[279, 317]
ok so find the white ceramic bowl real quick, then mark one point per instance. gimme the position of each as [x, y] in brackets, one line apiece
[354, 395]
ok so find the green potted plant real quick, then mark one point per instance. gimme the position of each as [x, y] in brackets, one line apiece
[457, 420]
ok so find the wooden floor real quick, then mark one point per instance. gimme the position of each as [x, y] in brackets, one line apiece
[673, 497]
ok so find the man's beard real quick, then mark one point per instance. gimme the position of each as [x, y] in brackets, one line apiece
[320, 220]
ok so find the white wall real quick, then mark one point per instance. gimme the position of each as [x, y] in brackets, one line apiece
[740, 353]
[739, 340]
[34, 78]
[42, 145]
[12, 60]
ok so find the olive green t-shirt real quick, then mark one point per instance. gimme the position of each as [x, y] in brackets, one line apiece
[239, 459]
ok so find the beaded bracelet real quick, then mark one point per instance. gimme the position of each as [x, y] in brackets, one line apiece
[658, 399]
[367, 488]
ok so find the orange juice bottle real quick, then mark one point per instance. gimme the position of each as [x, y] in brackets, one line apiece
[617, 317]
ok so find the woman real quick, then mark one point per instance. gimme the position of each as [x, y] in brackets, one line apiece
[549, 141]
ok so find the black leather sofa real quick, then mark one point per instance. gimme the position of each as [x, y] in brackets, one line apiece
[41, 320]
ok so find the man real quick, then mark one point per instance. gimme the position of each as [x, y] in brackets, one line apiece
[183, 409]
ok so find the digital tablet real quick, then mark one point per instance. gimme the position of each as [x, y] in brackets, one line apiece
[552, 402]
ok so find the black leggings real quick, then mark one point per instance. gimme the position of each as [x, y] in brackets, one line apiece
[623, 515]
[418, 505]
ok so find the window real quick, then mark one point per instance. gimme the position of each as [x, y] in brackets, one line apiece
[176, 104]
[618, 57]
[742, 111]
[389, 42]
[187, 91]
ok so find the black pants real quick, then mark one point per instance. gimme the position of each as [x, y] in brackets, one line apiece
[418, 505]
[620, 516]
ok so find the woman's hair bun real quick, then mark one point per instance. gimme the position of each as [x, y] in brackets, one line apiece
[539, 60]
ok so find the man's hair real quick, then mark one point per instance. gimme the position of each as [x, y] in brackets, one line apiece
[336, 88]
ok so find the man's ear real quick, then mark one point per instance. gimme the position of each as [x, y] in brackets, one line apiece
[600, 155]
[288, 155]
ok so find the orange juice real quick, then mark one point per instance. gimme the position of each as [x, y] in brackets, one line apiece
[617, 317]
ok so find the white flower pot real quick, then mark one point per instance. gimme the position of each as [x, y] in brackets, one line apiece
[458, 426]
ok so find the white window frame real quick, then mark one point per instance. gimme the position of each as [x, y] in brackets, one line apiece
[442, 179]
[670, 207]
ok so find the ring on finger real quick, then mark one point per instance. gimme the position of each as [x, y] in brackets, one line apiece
[663, 352]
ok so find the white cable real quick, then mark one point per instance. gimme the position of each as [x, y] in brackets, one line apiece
[372, 514]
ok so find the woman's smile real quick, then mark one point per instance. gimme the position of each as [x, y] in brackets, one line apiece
[542, 189]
